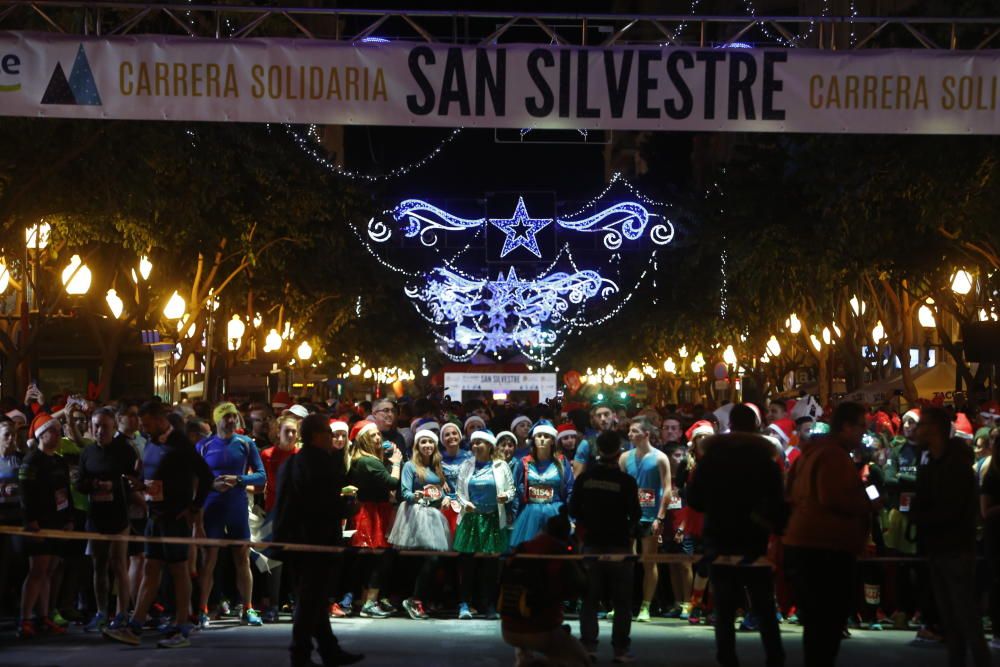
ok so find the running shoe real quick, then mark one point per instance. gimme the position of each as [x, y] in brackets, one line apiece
[685, 611]
[26, 630]
[371, 609]
[875, 626]
[177, 637]
[388, 606]
[694, 616]
[643, 616]
[674, 612]
[995, 643]
[610, 615]
[119, 621]
[97, 623]
[49, 626]
[251, 617]
[203, 621]
[347, 603]
[928, 636]
[623, 658]
[336, 611]
[491, 613]
[58, 619]
[916, 622]
[463, 612]
[270, 615]
[225, 609]
[748, 624]
[130, 634]
[415, 609]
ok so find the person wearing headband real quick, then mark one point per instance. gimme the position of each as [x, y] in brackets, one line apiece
[236, 464]
[419, 522]
[544, 482]
[487, 495]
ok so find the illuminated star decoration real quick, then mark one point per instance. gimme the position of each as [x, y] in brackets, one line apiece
[520, 230]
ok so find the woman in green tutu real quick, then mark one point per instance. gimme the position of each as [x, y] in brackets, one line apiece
[487, 495]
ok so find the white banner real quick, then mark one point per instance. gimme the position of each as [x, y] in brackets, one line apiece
[543, 383]
[509, 86]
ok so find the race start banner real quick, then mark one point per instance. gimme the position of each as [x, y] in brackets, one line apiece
[504, 86]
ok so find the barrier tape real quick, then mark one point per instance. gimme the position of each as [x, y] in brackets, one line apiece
[316, 548]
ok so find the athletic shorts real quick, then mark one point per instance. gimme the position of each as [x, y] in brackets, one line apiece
[645, 529]
[165, 527]
[227, 521]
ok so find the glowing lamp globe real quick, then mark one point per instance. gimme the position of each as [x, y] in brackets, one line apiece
[273, 341]
[926, 317]
[961, 282]
[235, 328]
[115, 303]
[174, 310]
[305, 351]
[773, 347]
[4, 277]
[76, 277]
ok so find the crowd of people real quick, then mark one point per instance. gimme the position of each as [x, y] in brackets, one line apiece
[769, 511]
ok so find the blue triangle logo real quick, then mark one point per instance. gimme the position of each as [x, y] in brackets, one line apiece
[79, 89]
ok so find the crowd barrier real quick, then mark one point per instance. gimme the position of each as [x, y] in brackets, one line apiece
[315, 548]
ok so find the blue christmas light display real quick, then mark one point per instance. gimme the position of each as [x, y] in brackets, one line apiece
[472, 314]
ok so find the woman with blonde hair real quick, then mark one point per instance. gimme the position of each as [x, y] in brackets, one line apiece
[419, 521]
[374, 518]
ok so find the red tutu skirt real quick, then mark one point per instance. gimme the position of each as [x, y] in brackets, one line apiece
[451, 515]
[372, 524]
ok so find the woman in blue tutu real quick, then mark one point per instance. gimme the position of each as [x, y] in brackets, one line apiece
[419, 522]
[544, 481]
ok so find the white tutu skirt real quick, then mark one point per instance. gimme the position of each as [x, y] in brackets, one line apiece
[420, 527]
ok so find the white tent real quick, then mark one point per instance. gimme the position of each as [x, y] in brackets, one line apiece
[937, 382]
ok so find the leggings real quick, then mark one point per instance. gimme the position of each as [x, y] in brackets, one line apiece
[480, 577]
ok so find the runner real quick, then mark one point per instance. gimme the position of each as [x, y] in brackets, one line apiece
[235, 463]
[11, 459]
[375, 515]
[506, 446]
[273, 457]
[651, 470]
[452, 459]
[45, 497]
[108, 475]
[544, 483]
[603, 418]
[419, 522]
[486, 492]
[521, 427]
[177, 481]
[567, 440]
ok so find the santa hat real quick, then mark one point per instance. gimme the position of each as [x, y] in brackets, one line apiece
[912, 413]
[17, 416]
[425, 433]
[517, 420]
[486, 435]
[426, 423]
[474, 419]
[281, 400]
[453, 425]
[362, 427]
[786, 425]
[962, 426]
[339, 426]
[42, 423]
[566, 429]
[544, 426]
[506, 434]
[881, 423]
[777, 434]
[700, 427]
[756, 413]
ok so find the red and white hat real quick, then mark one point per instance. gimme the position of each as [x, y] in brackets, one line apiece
[281, 400]
[962, 426]
[362, 427]
[912, 413]
[700, 427]
[566, 429]
[42, 423]
[339, 426]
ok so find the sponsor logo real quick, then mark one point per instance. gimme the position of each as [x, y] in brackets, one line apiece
[79, 89]
[10, 66]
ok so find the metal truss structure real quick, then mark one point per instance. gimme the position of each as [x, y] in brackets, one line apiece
[226, 20]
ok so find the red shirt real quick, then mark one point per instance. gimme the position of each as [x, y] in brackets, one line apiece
[273, 457]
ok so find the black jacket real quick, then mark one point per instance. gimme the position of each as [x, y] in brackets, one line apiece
[739, 487]
[605, 503]
[946, 506]
[309, 507]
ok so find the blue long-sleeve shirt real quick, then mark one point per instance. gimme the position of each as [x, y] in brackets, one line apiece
[235, 456]
[410, 482]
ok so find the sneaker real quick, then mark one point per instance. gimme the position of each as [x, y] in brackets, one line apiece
[643, 616]
[176, 638]
[610, 615]
[875, 626]
[251, 617]
[748, 624]
[415, 609]
[371, 609]
[624, 657]
[270, 615]
[58, 619]
[225, 609]
[673, 612]
[336, 611]
[388, 606]
[916, 622]
[694, 616]
[463, 612]
[127, 635]
[97, 623]
[119, 621]
[491, 613]
[347, 603]
[26, 630]
[995, 643]
[49, 626]
[203, 621]
[927, 636]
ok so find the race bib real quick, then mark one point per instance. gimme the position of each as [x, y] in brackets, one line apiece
[102, 497]
[456, 507]
[873, 594]
[154, 491]
[432, 492]
[647, 497]
[62, 500]
[10, 493]
[904, 501]
[540, 494]
[675, 503]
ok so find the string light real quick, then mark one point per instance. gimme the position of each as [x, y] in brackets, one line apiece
[312, 151]
[751, 10]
